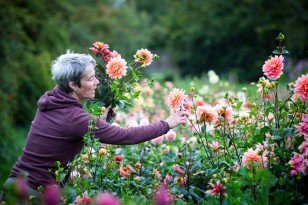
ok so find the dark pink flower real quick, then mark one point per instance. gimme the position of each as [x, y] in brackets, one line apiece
[178, 169]
[296, 162]
[162, 196]
[21, 185]
[106, 198]
[302, 127]
[217, 189]
[118, 159]
[272, 68]
[51, 195]
[301, 88]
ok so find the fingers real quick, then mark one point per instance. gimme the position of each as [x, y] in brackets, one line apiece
[183, 113]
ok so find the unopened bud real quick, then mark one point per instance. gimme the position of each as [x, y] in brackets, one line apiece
[291, 85]
[102, 152]
[85, 157]
[103, 109]
[138, 165]
[137, 179]
[192, 89]
[244, 89]
[252, 84]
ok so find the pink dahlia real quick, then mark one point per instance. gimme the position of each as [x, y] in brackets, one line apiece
[217, 189]
[176, 98]
[178, 169]
[125, 170]
[170, 135]
[301, 88]
[296, 162]
[206, 113]
[106, 198]
[144, 56]
[162, 196]
[214, 145]
[253, 156]
[225, 112]
[51, 195]
[302, 127]
[273, 67]
[85, 200]
[100, 45]
[116, 67]
[158, 140]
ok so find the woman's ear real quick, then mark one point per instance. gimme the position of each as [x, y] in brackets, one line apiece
[72, 86]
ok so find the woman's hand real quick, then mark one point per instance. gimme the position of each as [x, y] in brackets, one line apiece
[176, 118]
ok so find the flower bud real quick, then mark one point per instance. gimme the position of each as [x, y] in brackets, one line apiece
[85, 157]
[244, 89]
[137, 179]
[291, 85]
[103, 109]
[252, 84]
[103, 152]
[192, 89]
[273, 84]
[138, 165]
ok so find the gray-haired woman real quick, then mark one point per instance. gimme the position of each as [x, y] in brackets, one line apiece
[57, 131]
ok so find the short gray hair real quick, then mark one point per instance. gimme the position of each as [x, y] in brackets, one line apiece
[70, 67]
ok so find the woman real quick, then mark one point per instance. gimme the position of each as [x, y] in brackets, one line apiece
[57, 131]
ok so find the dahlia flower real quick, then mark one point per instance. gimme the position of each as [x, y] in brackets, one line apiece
[170, 135]
[302, 127]
[125, 170]
[206, 114]
[85, 200]
[100, 45]
[176, 98]
[301, 88]
[158, 140]
[116, 67]
[272, 68]
[296, 162]
[253, 156]
[144, 56]
[214, 145]
[178, 169]
[217, 189]
[106, 198]
[162, 196]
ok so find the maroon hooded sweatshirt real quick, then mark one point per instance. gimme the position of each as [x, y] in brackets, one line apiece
[57, 131]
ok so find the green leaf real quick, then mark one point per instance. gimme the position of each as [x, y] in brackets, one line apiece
[288, 132]
[121, 104]
[239, 105]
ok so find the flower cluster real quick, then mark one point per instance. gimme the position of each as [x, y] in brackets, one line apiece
[117, 78]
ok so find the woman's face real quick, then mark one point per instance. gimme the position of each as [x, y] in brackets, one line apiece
[88, 85]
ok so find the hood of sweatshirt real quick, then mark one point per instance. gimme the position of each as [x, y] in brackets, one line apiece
[56, 99]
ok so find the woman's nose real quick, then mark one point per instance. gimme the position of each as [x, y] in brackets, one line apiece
[97, 81]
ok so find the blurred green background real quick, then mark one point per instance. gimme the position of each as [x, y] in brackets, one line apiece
[232, 37]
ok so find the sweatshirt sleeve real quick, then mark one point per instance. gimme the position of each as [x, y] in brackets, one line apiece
[111, 134]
